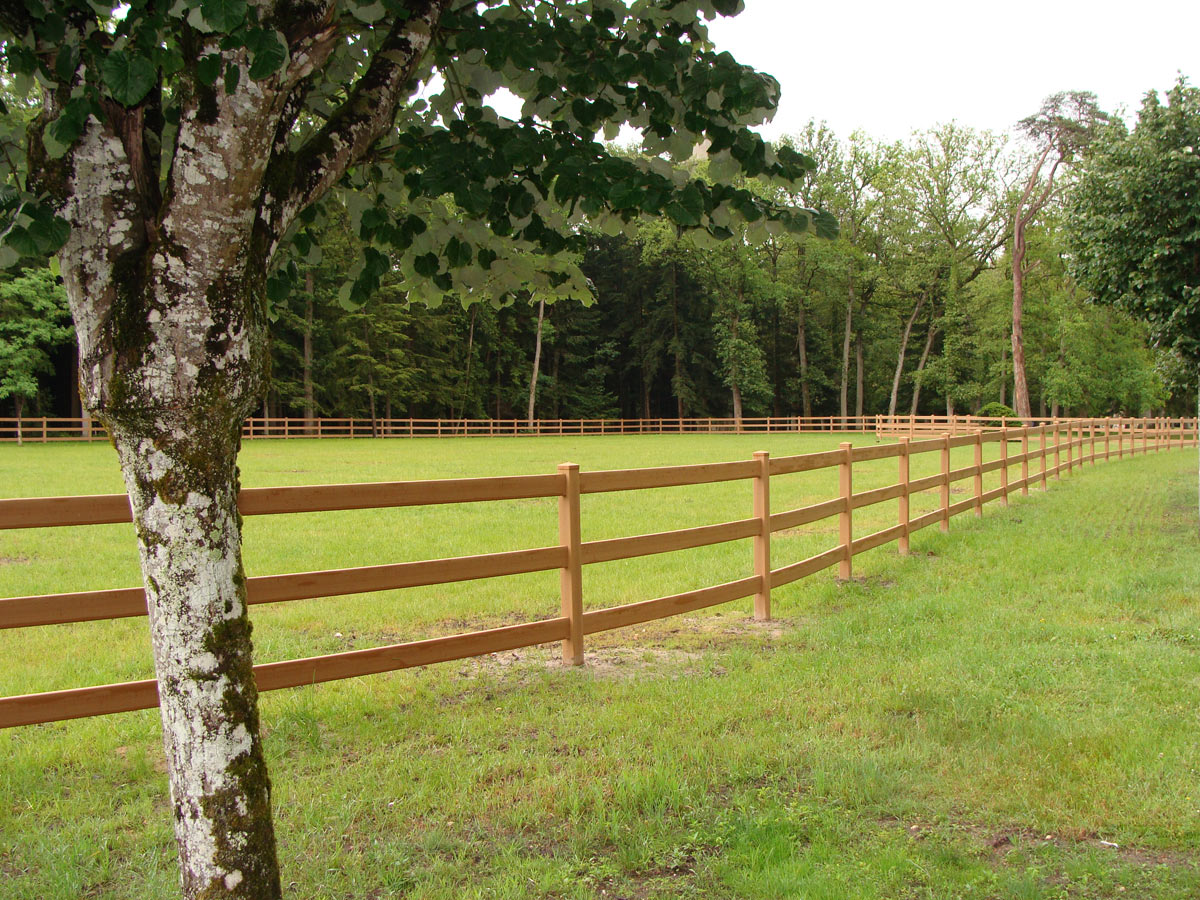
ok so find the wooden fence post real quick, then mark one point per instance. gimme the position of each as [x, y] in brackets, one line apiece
[945, 492]
[1057, 450]
[1107, 436]
[1004, 465]
[1070, 445]
[571, 579]
[762, 540]
[1042, 440]
[978, 473]
[904, 479]
[846, 520]
[1025, 461]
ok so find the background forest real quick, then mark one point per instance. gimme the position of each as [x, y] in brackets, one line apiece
[909, 310]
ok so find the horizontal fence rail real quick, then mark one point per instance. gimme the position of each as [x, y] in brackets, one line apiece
[1042, 452]
[50, 430]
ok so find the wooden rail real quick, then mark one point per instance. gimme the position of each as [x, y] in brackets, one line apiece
[1071, 444]
[49, 430]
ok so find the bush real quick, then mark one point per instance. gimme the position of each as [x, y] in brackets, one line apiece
[998, 410]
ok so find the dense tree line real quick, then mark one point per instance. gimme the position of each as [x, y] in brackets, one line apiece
[909, 310]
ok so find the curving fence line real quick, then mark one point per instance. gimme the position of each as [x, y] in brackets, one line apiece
[1044, 452]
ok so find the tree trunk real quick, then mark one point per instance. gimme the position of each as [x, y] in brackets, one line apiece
[310, 405]
[858, 375]
[1003, 372]
[921, 366]
[802, 346]
[737, 407]
[537, 361]
[1020, 385]
[900, 358]
[462, 410]
[19, 408]
[844, 399]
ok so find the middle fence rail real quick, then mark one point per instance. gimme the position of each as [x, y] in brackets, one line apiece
[1040, 457]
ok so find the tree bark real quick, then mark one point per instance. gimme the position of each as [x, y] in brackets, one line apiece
[737, 407]
[537, 361]
[858, 376]
[844, 399]
[802, 347]
[908, 325]
[310, 405]
[921, 366]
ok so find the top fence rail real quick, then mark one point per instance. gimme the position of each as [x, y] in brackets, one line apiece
[44, 430]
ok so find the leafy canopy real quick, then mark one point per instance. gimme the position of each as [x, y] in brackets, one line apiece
[1135, 219]
[457, 198]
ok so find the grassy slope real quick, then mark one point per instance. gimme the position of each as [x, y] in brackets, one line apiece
[971, 721]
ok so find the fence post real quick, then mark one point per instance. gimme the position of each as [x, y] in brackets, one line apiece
[1057, 450]
[1107, 436]
[846, 520]
[762, 540]
[978, 472]
[945, 492]
[1004, 465]
[1024, 460]
[571, 579]
[1070, 443]
[904, 479]
[1042, 439]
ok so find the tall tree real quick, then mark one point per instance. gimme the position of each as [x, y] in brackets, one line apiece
[1063, 126]
[179, 150]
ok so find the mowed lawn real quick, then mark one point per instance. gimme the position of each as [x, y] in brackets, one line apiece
[1012, 711]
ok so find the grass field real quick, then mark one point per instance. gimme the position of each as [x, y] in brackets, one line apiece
[982, 719]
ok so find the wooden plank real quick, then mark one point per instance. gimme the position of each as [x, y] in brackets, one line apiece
[796, 571]
[879, 451]
[54, 706]
[664, 476]
[571, 576]
[989, 496]
[925, 446]
[46, 512]
[662, 607]
[667, 541]
[960, 474]
[994, 465]
[846, 519]
[923, 484]
[80, 606]
[807, 462]
[878, 539]
[807, 514]
[920, 522]
[365, 579]
[762, 536]
[86, 606]
[329, 497]
[877, 495]
[963, 440]
[962, 506]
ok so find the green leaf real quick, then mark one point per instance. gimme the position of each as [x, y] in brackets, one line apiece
[233, 74]
[426, 265]
[223, 15]
[208, 69]
[268, 52]
[128, 76]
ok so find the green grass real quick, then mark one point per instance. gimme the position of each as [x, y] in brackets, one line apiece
[971, 721]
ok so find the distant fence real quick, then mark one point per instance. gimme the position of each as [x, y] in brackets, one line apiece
[1066, 445]
[47, 430]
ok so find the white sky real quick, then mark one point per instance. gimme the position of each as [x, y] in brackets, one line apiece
[890, 68]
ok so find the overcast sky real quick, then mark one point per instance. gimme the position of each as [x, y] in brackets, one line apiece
[891, 68]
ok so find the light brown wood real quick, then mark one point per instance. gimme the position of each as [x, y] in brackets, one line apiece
[807, 462]
[993, 494]
[962, 506]
[846, 517]
[807, 514]
[1025, 461]
[665, 476]
[945, 485]
[571, 577]
[960, 474]
[879, 451]
[905, 490]
[877, 495]
[964, 440]
[923, 484]
[1057, 449]
[48, 512]
[812, 565]
[878, 539]
[978, 474]
[924, 521]
[668, 541]
[53, 706]
[662, 607]
[1042, 455]
[762, 540]
[1004, 464]
[80, 606]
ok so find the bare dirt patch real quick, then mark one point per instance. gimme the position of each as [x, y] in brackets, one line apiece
[14, 560]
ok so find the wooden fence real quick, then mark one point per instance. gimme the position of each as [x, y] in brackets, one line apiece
[47, 430]
[1044, 452]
